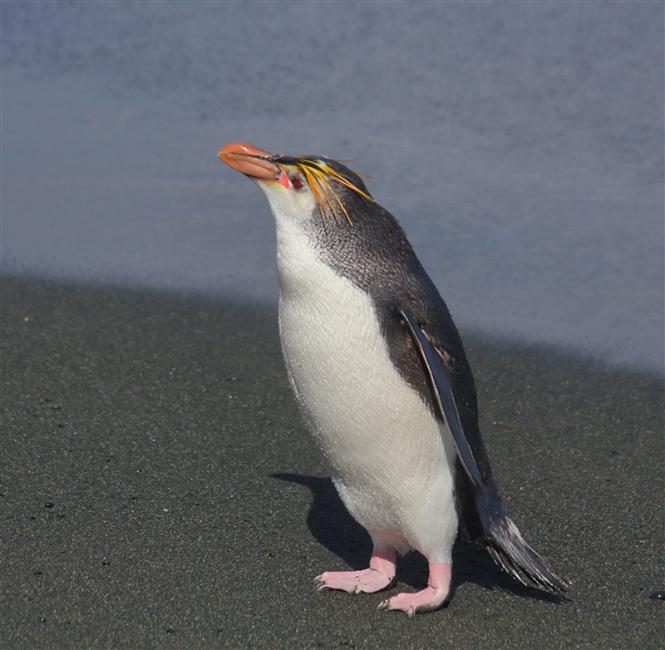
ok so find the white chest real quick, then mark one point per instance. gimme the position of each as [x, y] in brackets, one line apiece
[373, 427]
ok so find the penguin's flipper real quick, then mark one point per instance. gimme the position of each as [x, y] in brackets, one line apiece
[443, 395]
[500, 535]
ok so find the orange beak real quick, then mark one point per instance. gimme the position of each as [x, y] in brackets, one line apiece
[249, 160]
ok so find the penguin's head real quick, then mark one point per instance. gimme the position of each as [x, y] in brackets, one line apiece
[301, 188]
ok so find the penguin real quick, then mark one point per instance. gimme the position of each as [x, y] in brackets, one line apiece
[382, 378]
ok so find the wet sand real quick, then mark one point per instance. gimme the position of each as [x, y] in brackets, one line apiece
[158, 489]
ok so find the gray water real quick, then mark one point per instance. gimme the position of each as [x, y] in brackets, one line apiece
[520, 145]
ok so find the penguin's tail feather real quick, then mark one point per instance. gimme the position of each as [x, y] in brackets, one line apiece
[511, 552]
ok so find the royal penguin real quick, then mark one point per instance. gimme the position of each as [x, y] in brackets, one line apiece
[380, 372]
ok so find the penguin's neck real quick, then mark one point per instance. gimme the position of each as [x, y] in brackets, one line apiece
[298, 264]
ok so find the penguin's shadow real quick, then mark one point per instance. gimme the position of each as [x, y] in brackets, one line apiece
[331, 525]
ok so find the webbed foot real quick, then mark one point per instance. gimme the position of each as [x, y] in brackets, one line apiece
[354, 582]
[432, 597]
[378, 576]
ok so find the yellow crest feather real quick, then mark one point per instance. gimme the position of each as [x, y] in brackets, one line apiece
[317, 175]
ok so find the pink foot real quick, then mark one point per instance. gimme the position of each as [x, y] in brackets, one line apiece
[432, 597]
[379, 575]
[367, 581]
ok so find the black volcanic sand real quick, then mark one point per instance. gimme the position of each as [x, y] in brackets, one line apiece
[158, 489]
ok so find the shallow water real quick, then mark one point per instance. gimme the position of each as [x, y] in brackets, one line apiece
[520, 145]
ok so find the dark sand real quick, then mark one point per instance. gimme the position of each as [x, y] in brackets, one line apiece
[189, 508]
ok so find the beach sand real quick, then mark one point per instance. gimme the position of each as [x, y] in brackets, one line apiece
[159, 489]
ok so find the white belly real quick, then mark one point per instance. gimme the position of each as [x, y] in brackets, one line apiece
[385, 449]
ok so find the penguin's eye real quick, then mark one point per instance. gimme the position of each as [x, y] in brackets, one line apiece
[297, 183]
